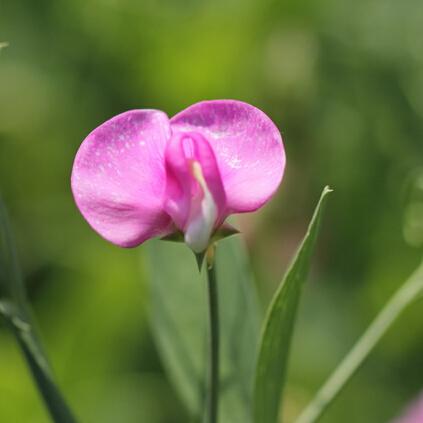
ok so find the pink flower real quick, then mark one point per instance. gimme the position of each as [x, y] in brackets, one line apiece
[140, 175]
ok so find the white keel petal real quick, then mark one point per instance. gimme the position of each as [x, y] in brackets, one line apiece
[200, 226]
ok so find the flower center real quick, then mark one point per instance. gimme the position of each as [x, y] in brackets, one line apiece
[203, 213]
[194, 195]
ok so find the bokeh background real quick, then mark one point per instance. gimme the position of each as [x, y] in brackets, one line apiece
[343, 81]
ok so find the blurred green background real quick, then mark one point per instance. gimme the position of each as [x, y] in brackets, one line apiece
[344, 83]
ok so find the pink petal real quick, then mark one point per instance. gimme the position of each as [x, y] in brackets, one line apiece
[118, 177]
[182, 189]
[248, 148]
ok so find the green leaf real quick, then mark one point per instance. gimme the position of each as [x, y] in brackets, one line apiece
[179, 322]
[410, 292]
[14, 310]
[279, 325]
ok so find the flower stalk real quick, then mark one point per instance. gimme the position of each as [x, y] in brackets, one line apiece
[213, 377]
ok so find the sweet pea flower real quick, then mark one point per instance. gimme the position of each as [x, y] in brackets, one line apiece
[141, 175]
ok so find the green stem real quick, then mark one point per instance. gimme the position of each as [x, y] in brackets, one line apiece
[35, 357]
[213, 382]
[411, 290]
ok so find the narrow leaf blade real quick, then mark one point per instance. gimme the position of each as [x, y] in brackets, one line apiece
[14, 310]
[409, 293]
[179, 322]
[279, 325]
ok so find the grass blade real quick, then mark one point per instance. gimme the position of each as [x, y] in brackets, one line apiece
[14, 309]
[411, 291]
[279, 325]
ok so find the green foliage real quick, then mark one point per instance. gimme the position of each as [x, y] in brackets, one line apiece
[343, 82]
[407, 294]
[14, 310]
[179, 322]
[279, 326]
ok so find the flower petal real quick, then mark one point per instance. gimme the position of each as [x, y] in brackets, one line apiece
[248, 148]
[118, 177]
